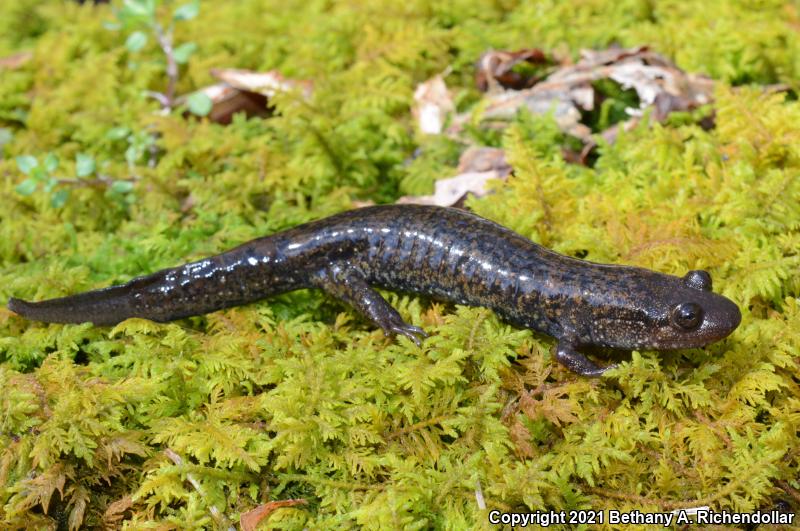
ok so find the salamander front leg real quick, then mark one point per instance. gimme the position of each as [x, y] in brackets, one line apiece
[573, 360]
[350, 287]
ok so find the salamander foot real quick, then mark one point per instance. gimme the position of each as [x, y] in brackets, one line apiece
[414, 333]
[350, 286]
[573, 360]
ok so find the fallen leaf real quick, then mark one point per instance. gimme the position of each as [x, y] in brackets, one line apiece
[569, 91]
[250, 520]
[648, 73]
[503, 106]
[452, 191]
[246, 91]
[265, 83]
[477, 166]
[433, 103]
[496, 69]
[227, 101]
[477, 159]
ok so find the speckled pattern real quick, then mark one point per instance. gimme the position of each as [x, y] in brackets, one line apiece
[444, 253]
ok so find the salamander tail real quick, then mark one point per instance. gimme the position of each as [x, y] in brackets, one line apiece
[101, 307]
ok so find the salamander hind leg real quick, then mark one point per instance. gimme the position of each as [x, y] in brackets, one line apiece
[351, 287]
[570, 358]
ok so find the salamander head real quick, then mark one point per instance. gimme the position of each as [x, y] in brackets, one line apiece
[696, 315]
[682, 313]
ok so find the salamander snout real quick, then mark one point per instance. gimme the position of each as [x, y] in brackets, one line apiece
[706, 323]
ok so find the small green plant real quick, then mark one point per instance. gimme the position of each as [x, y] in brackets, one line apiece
[141, 18]
[43, 175]
[139, 143]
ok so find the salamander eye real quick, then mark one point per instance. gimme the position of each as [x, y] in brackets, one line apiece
[698, 279]
[688, 315]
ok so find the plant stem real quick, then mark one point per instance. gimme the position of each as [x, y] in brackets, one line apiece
[101, 181]
[165, 42]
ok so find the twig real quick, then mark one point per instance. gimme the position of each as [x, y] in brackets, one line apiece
[165, 42]
[218, 515]
[101, 181]
[159, 97]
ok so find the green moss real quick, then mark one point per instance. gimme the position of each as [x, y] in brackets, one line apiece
[294, 397]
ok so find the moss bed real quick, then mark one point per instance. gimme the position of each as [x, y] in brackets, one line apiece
[194, 423]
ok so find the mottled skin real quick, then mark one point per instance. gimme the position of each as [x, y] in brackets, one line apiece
[444, 253]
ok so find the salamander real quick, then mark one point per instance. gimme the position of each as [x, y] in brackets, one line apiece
[443, 253]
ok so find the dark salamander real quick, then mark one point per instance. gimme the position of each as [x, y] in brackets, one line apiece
[444, 253]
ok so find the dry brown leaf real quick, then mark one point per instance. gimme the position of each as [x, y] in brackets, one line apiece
[478, 158]
[227, 101]
[503, 106]
[248, 92]
[495, 69]
[265, 83]
[569, 90]
[452, 191]
[250, 520]
[477, 166]
[648, 73]
[433, 102]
